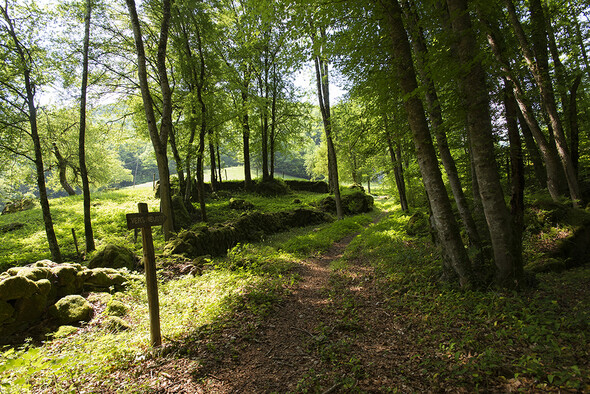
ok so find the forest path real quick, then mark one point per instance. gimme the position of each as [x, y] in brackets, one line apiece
[331, 333]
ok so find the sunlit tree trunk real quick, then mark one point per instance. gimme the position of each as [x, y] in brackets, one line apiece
[159, 138]
[62, 166]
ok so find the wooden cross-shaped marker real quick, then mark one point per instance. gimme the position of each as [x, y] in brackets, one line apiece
[145, 220]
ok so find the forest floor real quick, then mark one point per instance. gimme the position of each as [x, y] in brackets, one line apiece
[332, 333]
[310, 340]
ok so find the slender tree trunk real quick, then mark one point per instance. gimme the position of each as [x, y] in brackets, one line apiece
[88, 233]
[531, 147]
[62, 166]
[550, 156]
[505, 246]
[203, 131]
[38, 160]
[219, 163]
[574, 128]
[445, 223]
[246, 139]
[538, 65]
[398, 171]
[321, 68]
[516, 163]
[159, 138]
[436, 121]
[177, 159]
[273, 127]
[212, 161]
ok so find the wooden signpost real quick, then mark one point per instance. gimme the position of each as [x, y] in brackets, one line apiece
[145, 220]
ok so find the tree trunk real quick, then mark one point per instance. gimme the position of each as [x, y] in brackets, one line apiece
[538, 65]
[396, 160]
[159, 138]
[88, 233]
[38, 160]
[516, 163]
[505, 246]
[436, 121]
[177, 159]
[531, 147]
[574, 128]
[246, 139]
[219, 163]
[62, 166]
[212, 161]
[446, 226]
[323, 88]
[548, 151]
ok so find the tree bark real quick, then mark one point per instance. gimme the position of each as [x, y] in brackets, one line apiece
[246, 137]
[531, 147]
[445, 223]
[88, 232]
[395, 153]
[516, 163]
[323, 88]
[159, 138]
[505, 246]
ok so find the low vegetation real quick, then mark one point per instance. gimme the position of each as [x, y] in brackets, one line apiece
[533, 340]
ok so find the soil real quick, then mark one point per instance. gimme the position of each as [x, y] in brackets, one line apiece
[331, 333]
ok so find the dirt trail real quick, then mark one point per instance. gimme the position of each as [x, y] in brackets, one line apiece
[330, 334]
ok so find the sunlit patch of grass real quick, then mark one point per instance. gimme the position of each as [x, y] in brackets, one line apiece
[108, 210]
[324, 237]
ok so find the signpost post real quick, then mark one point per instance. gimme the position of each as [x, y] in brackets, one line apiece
[145, 220]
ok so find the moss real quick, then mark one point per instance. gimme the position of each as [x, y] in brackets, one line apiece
[16, 287]
[72, 309]
[65, 331]
[115, 324]
[116, 308]
[114, 256]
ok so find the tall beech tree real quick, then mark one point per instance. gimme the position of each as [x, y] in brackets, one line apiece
[17, 91]
[456, 259]
[505, 245]
[159, 137]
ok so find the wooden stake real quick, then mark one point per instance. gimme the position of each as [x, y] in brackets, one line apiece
[145, 220]
[76, 243]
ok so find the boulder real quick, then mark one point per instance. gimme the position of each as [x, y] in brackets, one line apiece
[35, 273]
[114, 256]
[6, 311]
[102, 279]
[116, 308]
[72, 309]
[6, 228]
[30, 309]
[19, 205]
[16, 287]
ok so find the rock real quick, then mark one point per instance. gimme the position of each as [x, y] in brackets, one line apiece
[102, 278]
[35, 273]
[30, 309]
[72, 309]
[44, 286]
[115, 324]
[16, 287]
[65, 331]
[65, 274]
[6, 311]
[116, 308]
[185, 215]
[114, 256]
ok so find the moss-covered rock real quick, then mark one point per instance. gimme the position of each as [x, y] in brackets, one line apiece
[9, 227]
[35, 273]
[30, 309]
[116, 308]
[115, 324]
[103, 279]
[352, 203]
[274, 187]
[44, 286]
[72, 309]
[114, 256]
[65, 331]
[16, 287]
